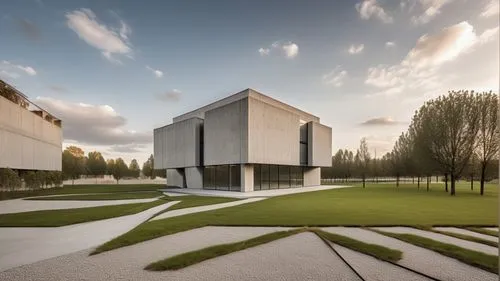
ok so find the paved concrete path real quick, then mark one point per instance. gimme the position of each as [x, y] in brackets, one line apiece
[443, 238]
[467, 232]
[20, 205]
[185, 211]
[419, 259]
[491, 228]
[372, 269]
[252, 194]
[24, 245]
[174, 194]
[299, 257]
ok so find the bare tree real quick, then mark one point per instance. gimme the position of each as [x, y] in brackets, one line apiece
[363, 157]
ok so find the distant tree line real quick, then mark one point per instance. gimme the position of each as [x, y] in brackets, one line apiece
[75, 164]
[12, 179]
[455, 136]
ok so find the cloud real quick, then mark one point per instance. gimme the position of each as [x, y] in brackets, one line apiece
[390, 44]
[491, 9]
[156, 72]
[488, 35]
[174, 95]
[381, 121]
[356, 49]
[419, 69]
[430, 9]
[58, 89]
[126, 148]
[264, 51]
[291, 50]
[335, 77]
[370, 8]
[92, 124]
[109, 41]
[12, 70]
[28, 29]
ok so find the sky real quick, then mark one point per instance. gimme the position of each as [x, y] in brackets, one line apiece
[114, 70]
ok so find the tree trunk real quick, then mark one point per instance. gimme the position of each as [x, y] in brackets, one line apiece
[363, 181]
[452, 189]
[428, 180]
[397, 180]
[418, 182]
[446, 182]
[483, 171]
[471, 181]
[73, 181]
[437, 179]
[413, 179]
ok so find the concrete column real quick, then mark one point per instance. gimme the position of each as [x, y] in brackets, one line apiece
[175, 178]
[194, 177]
[246, 177]
[312, 176]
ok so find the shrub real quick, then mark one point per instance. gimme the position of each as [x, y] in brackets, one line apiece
[31, 180]
[41, 178]
[9, 179]
[57, 178]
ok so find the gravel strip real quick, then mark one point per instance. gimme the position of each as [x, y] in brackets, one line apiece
[419, 259]
[372, 269]
[467, 232]
[443, 238]
[24, 245]
[185, 211]
[127, 263]
[20, 205]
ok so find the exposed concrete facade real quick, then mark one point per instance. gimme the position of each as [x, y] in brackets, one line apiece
[30, 138]
[246, 129]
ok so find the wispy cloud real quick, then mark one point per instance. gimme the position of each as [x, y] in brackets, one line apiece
[429, 10]
[356, 49]
[289, 49]
[390, 44]
[12, 70]
[156, 72]
[336, 77]
[381, 121]
[170, 96]
[264, 51]
[371, 8]
[98, 35]
[491, 9]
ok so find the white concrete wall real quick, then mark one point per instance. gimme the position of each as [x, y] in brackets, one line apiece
[175, 178]
[312, 176]
[225, 134]
[319, 145]
[194, 177]
[27, 141]
[246, 177]
[273, 134]
[178, 145]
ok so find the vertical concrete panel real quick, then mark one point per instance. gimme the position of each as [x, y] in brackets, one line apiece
[175, 178]
[246, 177]
[194, 177]
[273, 134]
[224, 133]
[312, 176]
[182, 144]
[319, 145]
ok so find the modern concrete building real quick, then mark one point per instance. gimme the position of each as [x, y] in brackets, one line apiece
[245, 142]
[30, 137]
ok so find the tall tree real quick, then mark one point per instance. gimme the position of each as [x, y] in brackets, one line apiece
[134, 170]
[488, 133]
[96, 165]
[147, 167]
[445, 129]
[110, 166]
[120, 169]
[363, 156]
[73, 163]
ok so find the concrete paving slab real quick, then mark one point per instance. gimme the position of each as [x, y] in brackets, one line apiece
[299, 257]
[24, 245]
[20, 205]
[443, 238]
[468, 232]
[186, 211]
[372, 269]
[419, 259]
[252, 194]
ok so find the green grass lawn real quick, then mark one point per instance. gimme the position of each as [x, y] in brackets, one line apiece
[49, 218]
[81, 189]
[375, 205]
[189, 201]
[103, 196]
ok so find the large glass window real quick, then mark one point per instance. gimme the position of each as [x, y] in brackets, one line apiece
[274, 176]
[222, 177]
[296, 176]
[256, 177]
[235, 171]
[209, 177]
[284, 174]
[265, 181]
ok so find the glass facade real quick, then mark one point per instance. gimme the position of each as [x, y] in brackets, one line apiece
[222, 177]
[277, 176]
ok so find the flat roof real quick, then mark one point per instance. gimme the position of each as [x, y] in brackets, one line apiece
[200, 112]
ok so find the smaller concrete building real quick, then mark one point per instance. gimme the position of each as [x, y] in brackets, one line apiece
[245, 142]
